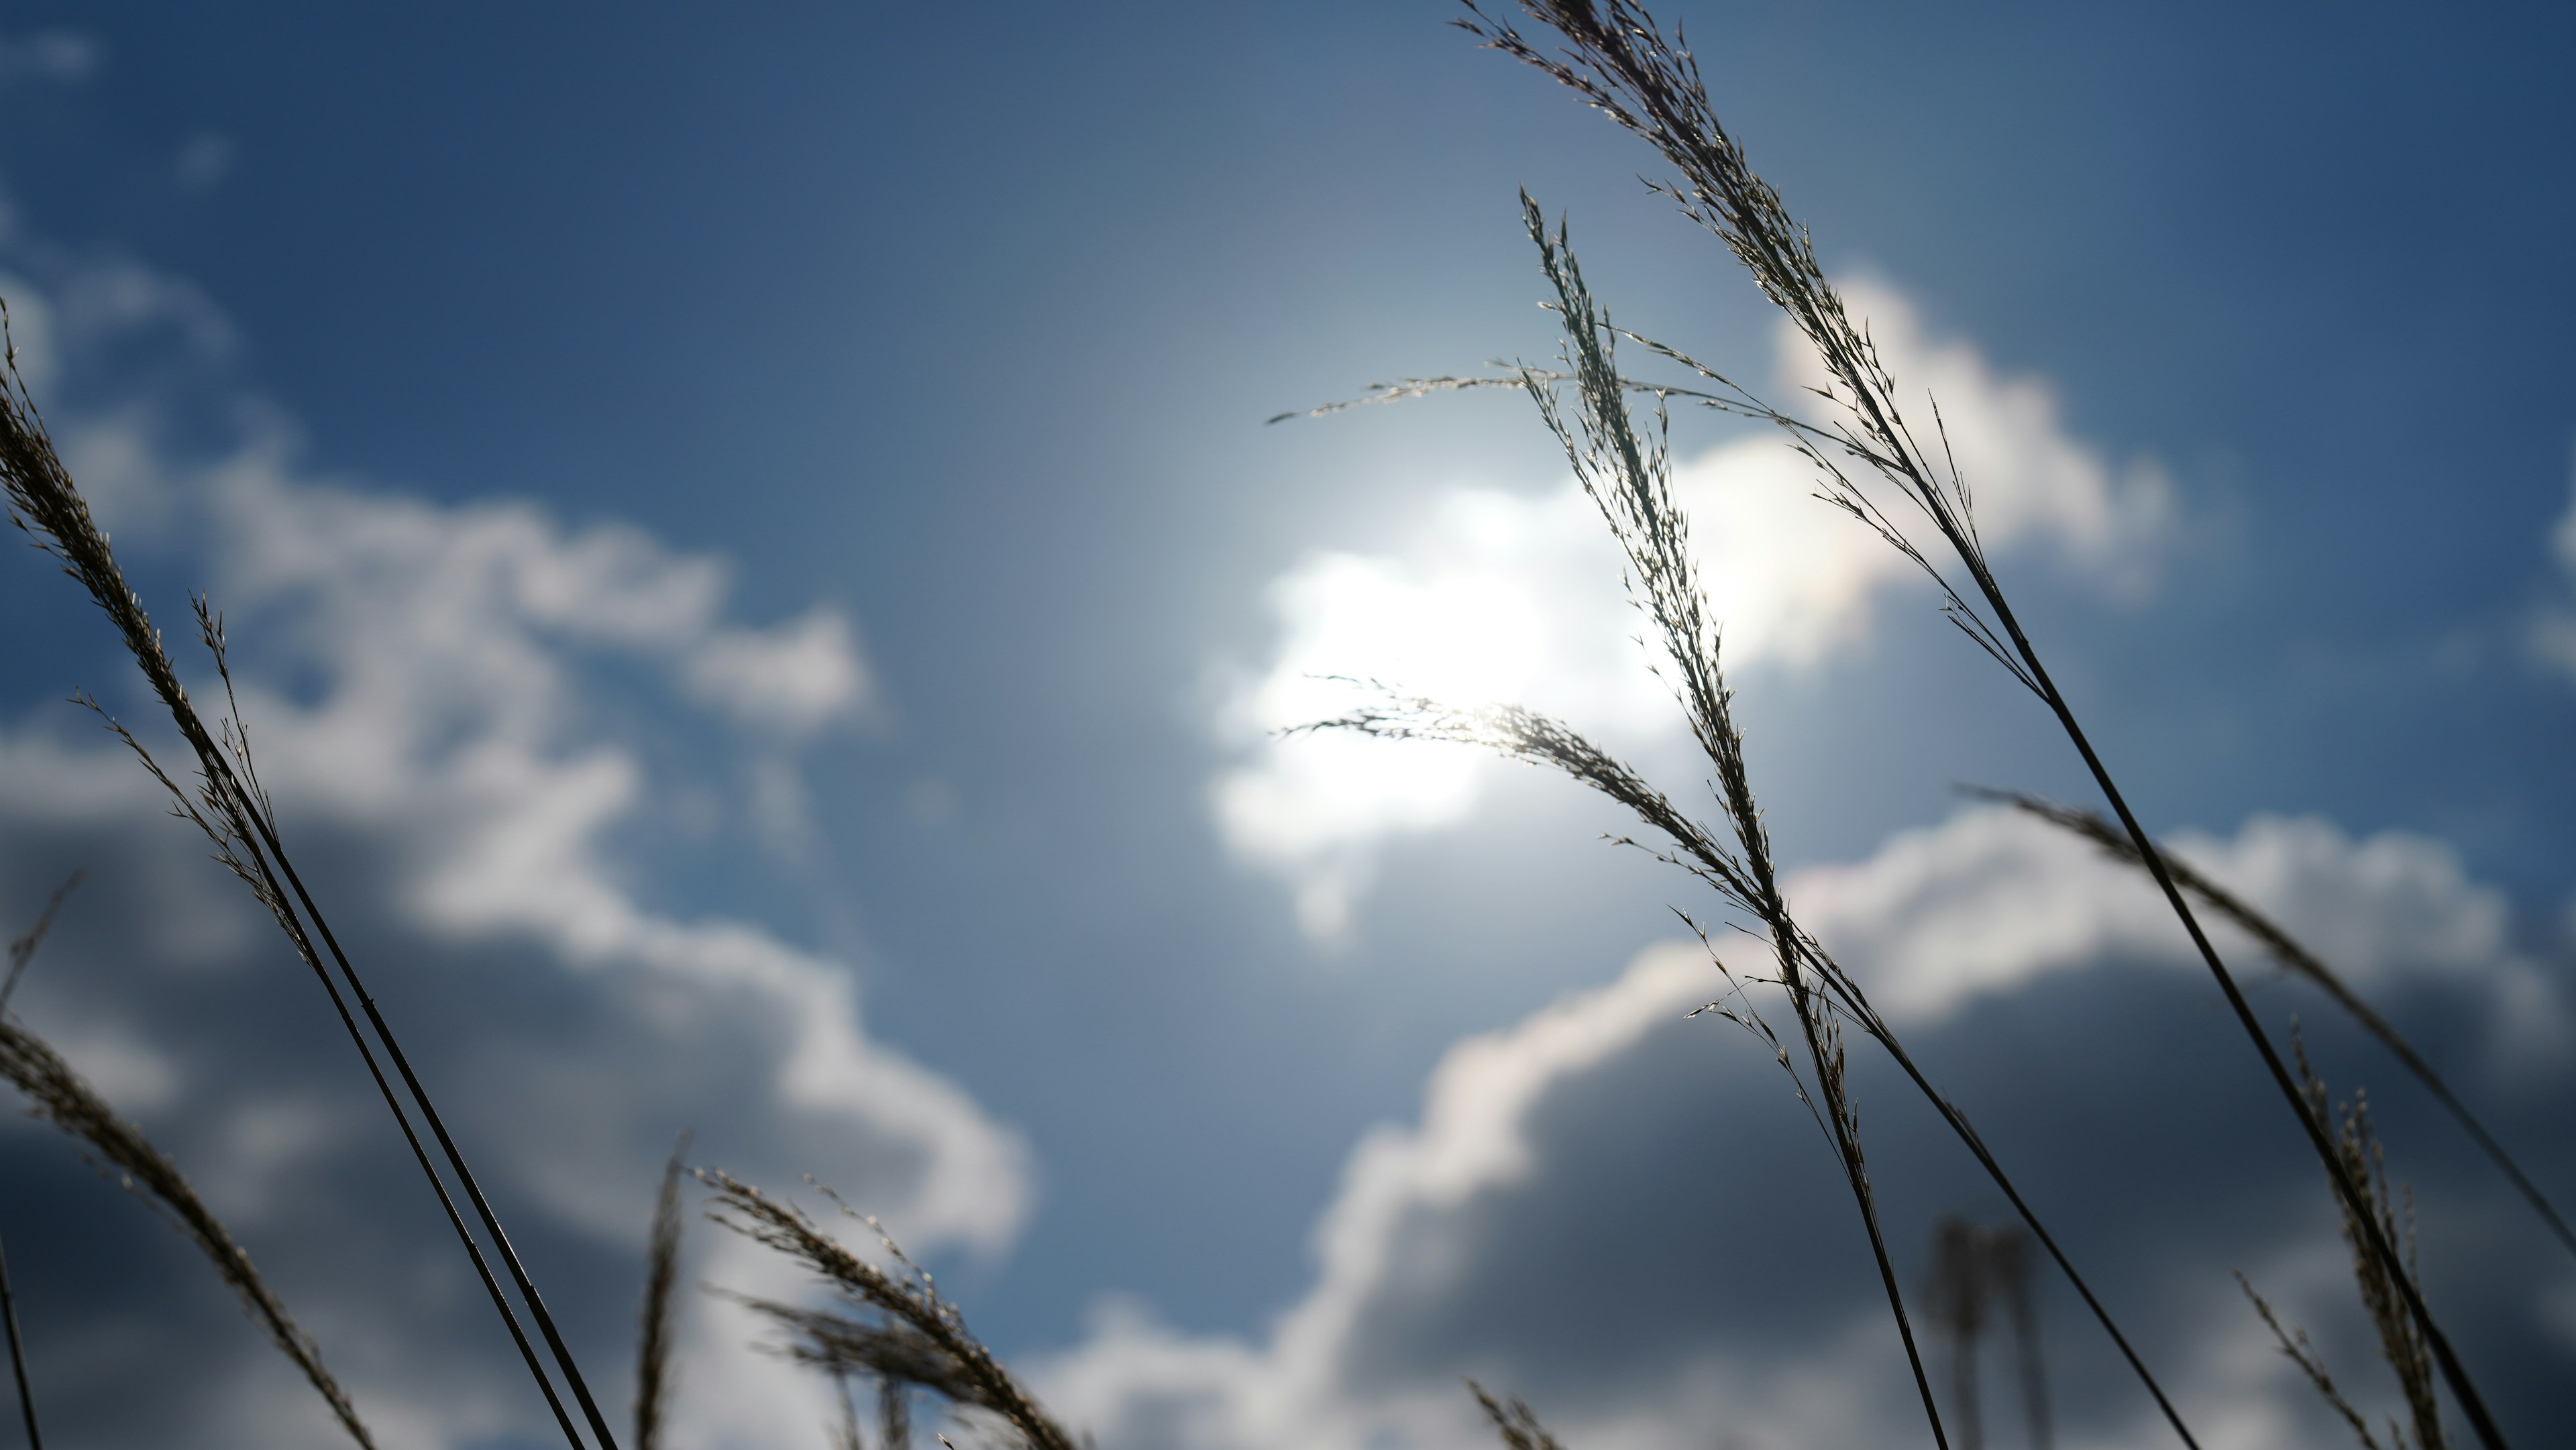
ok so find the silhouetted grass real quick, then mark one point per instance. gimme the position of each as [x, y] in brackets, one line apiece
[653, 1366]
[2401, 1334]
[232, 808]
[1513, 1421]
[2304, 963]
[63, 1098]
[1617, 59]
[1626, 470]
[904, 1334]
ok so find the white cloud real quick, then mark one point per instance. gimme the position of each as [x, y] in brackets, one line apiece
[793, 677]
[1620, 1213]
[1497, 597]
[456, 708]
[1991, 899]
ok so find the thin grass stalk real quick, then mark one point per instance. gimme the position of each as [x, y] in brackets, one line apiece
[2296, 1346]
[653, 1331]
[46, 504]
[220, 817]
[21, 952]
[18, 1357]
[1619, 61]
[447, 1145]
[2302, 962]
[1628, 476]
[924, 1339]
[70, 1103]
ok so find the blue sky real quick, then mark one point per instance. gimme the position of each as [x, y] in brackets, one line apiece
[805, 473]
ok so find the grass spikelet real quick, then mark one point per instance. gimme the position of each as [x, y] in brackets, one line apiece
[1513, 1421]
[71, 1104]
[909, 1336]
[2401, 1338]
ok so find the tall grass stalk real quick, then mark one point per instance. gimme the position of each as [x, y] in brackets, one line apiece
[1618, 60]
[2301, 962]
[1626, 470]
[232, 808]
[71, 1104]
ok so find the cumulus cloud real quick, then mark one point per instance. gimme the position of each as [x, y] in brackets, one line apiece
[1500, 597]
[1622, 1214]
[471, 717]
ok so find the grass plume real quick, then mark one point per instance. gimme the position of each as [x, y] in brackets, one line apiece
[1871, 463]
[1626, 470]
[909, 1335]
[63, 1098]
[2401, 1337]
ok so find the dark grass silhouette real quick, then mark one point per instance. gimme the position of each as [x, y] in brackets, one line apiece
[653, 1367]
[2303, 963]
[2401, 1336]
[894, 1327]
[1872, 464]
[233, 810]
[63, 1098]
[1625, 468]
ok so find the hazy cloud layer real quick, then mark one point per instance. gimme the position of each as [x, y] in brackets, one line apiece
[1622, 1214]
[1503, 598]
[490, 740]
